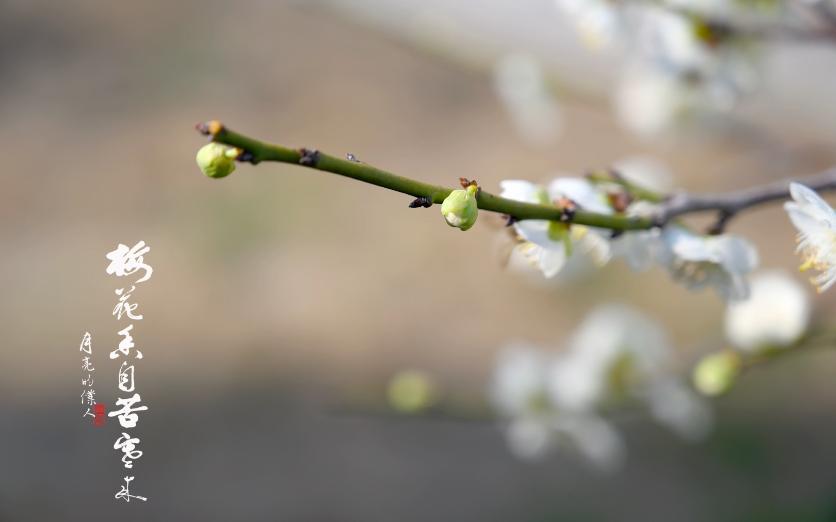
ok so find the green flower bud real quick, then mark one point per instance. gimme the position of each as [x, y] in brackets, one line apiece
[216, 160]
[411, 391]
[459, 208]
[715, 374]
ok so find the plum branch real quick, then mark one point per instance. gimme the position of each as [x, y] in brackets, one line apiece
[727, 205]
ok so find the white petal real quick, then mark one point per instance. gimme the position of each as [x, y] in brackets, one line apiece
[595, 439]
[519, 377]
[676, 406]
[552, 260]
[646, 172]
[803, 220]
[520, 190]
[812, 203]
[688, 246]
[529, 438]
[738, 255]
[581, 191]
[775, 315]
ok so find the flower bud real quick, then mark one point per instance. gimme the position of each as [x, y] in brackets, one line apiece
[460, 209]
[715, 374]
[216, 160]
[411, 391]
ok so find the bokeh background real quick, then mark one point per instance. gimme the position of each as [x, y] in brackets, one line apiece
[283, 299]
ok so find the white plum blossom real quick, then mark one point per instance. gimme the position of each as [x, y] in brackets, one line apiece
[687, 61]
[729, 10]
[548, 245]
[680, 74]
[521, 85]
[675, 405]
[593, 438]
[670, 42]
[536, 426]
[529, 437]
[519, 382]
[776, 315]
[640, 248]
[721, 262]
[612, 356]
[599, 22]
[645, 171]
[518, 394]
[690, 47]
[816, 224]
[617, 357]
[649, 102]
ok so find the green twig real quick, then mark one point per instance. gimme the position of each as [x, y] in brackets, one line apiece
[670, 207]
[255, 151]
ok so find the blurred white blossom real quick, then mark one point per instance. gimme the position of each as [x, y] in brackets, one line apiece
[594, 438]
[617, 358]
[668, 40]
[645, 171]
[675, 405]
[639, 248]
[612, 356]
[816, 224]
[519, 382]
[721, 262]
[521, 86]
[776, 315]
[548, 245]
[687, 61]
[651, 101]
[598, 22]
[536, 426]
[530, 437]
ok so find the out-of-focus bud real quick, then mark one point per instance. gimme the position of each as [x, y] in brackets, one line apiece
[460, 209]
[411, 391]
[716, 373]
[216, 160]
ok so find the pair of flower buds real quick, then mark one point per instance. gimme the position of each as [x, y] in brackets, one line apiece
[459, 207]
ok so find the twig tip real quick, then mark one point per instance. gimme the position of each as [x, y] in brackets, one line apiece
[210, 128]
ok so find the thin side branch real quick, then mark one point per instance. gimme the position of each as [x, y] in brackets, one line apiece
[727, 205]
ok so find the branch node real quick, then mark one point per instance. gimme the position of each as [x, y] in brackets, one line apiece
[210, 128]
[247, 157]
[719, 226]
[351, 157]
[567, 209]
[421, 201]
[309, 157]
[619, 201]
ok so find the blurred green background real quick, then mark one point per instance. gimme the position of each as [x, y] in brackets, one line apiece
[283, 299]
